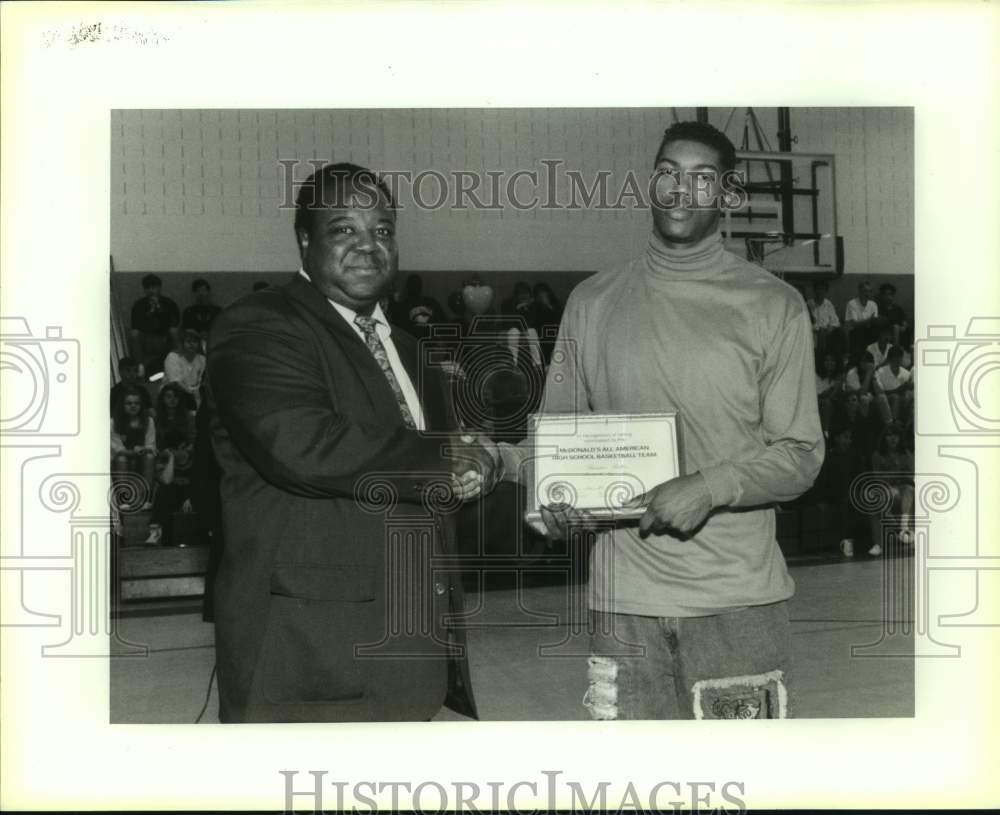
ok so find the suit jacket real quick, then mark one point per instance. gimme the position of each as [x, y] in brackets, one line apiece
[335, 586]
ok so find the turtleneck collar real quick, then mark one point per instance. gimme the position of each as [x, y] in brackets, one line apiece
[694, 262]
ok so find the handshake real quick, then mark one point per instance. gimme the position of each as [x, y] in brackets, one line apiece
[475, 464]
[678, 506]
[477, 467]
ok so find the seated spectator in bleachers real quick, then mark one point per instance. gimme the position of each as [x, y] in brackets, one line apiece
[894, 462]
[175, 416]
[896, 386]
[859, 318]
[133, 437]
[880, 348]
[860, 380]
[155, 320]
[128, 370]
[826, 323]
[187, 366]
[199, 317]
[416, 312]
[893, 313]
[862, 427]
[842, 464]
[175, 437]
[522, 333]
[172, 491]
[548, 316]
[829, 386]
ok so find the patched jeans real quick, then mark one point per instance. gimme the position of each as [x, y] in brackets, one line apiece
[725, 666]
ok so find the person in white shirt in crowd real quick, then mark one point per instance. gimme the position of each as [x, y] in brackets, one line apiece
[896, 386]
[859, 316]
[187, 366]
[880, 348]
[826, 323]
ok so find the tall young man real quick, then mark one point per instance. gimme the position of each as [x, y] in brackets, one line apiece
[698, 587]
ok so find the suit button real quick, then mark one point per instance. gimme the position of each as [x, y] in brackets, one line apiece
[440, 588]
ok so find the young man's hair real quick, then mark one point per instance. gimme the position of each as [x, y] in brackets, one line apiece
[887, 287]
[332, 185]
[703, 133]
[895, 353]
[151, 280]
[821, 286]
[127, 362]
[200, 283]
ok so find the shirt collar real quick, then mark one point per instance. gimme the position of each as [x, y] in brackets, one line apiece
[381, 323]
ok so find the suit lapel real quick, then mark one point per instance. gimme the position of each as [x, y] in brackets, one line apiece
[351, 347]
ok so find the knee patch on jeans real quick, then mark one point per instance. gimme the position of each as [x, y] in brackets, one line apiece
[601, 698]
[761, 696]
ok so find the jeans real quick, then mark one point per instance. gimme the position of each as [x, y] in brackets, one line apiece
[725, 666]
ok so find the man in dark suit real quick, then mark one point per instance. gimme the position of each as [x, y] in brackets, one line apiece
[340, 469]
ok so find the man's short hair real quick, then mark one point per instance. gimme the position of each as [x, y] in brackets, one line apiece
[200, 283]
[127, 362]
[887, 287]
[151, 280]
[340, 179]
[190, 334]
[895, 352]
[821, 285]
[703, 133]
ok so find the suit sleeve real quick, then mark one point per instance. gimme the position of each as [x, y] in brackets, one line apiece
[793, 439]
[271, 394]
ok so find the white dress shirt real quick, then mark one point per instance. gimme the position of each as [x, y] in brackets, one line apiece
[825, 315]
[878, 354]
[384, 333]
[890, 381]
[857, 313]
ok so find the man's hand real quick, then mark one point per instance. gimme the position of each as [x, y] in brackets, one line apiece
[475, 465]
[558, 518]
[679, 505]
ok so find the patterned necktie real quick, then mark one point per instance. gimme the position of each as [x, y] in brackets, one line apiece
[367, 326]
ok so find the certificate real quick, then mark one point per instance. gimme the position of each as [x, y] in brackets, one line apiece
[596, 462]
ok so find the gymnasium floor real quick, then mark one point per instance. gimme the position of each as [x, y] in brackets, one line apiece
[838, 604]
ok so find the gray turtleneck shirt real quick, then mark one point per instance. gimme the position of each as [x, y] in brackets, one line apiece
[727, 346]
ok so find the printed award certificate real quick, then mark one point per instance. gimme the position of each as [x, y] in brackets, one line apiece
[596, 462]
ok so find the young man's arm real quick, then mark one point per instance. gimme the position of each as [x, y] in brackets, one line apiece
[794, 448]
